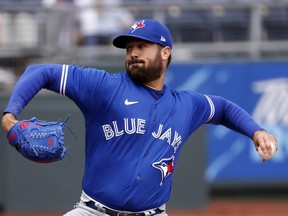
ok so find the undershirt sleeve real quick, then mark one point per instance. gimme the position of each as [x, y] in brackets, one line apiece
[34, 78]
[231, 116]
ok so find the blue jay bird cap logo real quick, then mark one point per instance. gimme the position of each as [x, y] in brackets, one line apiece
[146, 29]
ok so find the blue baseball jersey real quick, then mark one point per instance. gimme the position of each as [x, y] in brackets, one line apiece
[134, 134]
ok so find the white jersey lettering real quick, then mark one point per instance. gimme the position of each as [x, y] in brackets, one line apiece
[157, 135]
[126, 126]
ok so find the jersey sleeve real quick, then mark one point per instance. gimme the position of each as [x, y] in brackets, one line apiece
[200, 109]
[232, 116]
[87, 87]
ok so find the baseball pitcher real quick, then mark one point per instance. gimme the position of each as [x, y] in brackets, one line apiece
[135, 125]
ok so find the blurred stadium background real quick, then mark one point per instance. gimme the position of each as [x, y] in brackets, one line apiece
[234, 48]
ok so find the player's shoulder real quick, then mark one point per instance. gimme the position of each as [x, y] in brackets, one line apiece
[192, 100]
[187, 93]
[99, 72]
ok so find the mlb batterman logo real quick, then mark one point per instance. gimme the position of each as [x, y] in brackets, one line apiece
[166, 166]
[137, 25]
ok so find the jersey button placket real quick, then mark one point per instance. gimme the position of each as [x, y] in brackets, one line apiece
[129, 202]
[155, 113]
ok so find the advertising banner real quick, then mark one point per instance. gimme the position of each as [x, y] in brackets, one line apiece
[261, 88]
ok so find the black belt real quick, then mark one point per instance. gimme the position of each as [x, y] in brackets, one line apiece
[112, 212]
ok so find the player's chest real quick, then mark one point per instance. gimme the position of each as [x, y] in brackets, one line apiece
[143, 106]
[138, 115]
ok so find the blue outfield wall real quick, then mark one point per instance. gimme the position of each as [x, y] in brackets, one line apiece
[261, 88]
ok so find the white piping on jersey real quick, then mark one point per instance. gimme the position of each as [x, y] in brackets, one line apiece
[63, 79]
[212, 107]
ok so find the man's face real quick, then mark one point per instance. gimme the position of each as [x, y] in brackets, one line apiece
[143, 61]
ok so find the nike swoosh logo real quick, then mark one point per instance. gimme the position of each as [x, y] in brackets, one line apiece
[130, 102]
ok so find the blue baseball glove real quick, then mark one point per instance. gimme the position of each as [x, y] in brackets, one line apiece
[38, 141]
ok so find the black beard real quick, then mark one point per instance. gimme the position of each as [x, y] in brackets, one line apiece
[142, 73]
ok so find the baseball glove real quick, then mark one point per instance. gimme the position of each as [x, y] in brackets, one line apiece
[37, 140]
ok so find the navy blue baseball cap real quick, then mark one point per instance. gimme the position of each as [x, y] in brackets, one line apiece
[146, 29]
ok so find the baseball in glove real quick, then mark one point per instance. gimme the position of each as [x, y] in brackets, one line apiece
[39, 141]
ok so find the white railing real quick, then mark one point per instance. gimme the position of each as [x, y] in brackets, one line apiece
[200, 29]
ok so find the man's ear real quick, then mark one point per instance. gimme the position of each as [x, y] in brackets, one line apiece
[165, 52]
